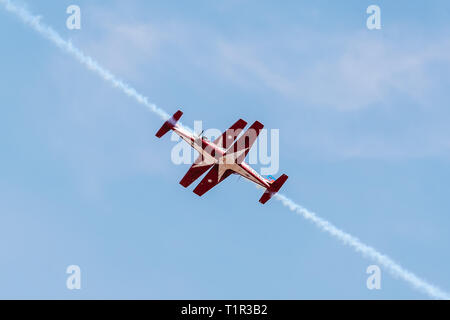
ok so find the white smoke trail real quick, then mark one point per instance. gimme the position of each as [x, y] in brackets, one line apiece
[390, 265]
[394, 268]
[91, 64]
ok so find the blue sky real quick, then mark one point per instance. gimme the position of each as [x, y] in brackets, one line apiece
[364, 139]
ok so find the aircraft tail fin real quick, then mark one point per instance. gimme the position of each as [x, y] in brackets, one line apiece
[273, 189]
[169, 124]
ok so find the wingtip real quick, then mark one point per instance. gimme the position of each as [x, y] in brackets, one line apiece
[257, 125]
[178, 114]
[242, 122]
[185, 184]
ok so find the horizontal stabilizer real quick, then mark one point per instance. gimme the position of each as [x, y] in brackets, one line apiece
[169, 124]
[273, 189]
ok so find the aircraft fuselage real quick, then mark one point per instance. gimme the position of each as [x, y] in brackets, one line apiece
[213, 154]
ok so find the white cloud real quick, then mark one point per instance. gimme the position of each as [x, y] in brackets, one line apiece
[358, 71]
[303, 70]
[343, 71]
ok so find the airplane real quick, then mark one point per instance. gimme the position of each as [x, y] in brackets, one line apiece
[222, 157]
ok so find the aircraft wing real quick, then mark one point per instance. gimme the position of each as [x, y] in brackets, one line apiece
[228, 137]
[242, 146]
[200, 166]
[212, 179]
[195, 171]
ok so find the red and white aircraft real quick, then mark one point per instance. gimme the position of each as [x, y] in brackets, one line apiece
[223, 157]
